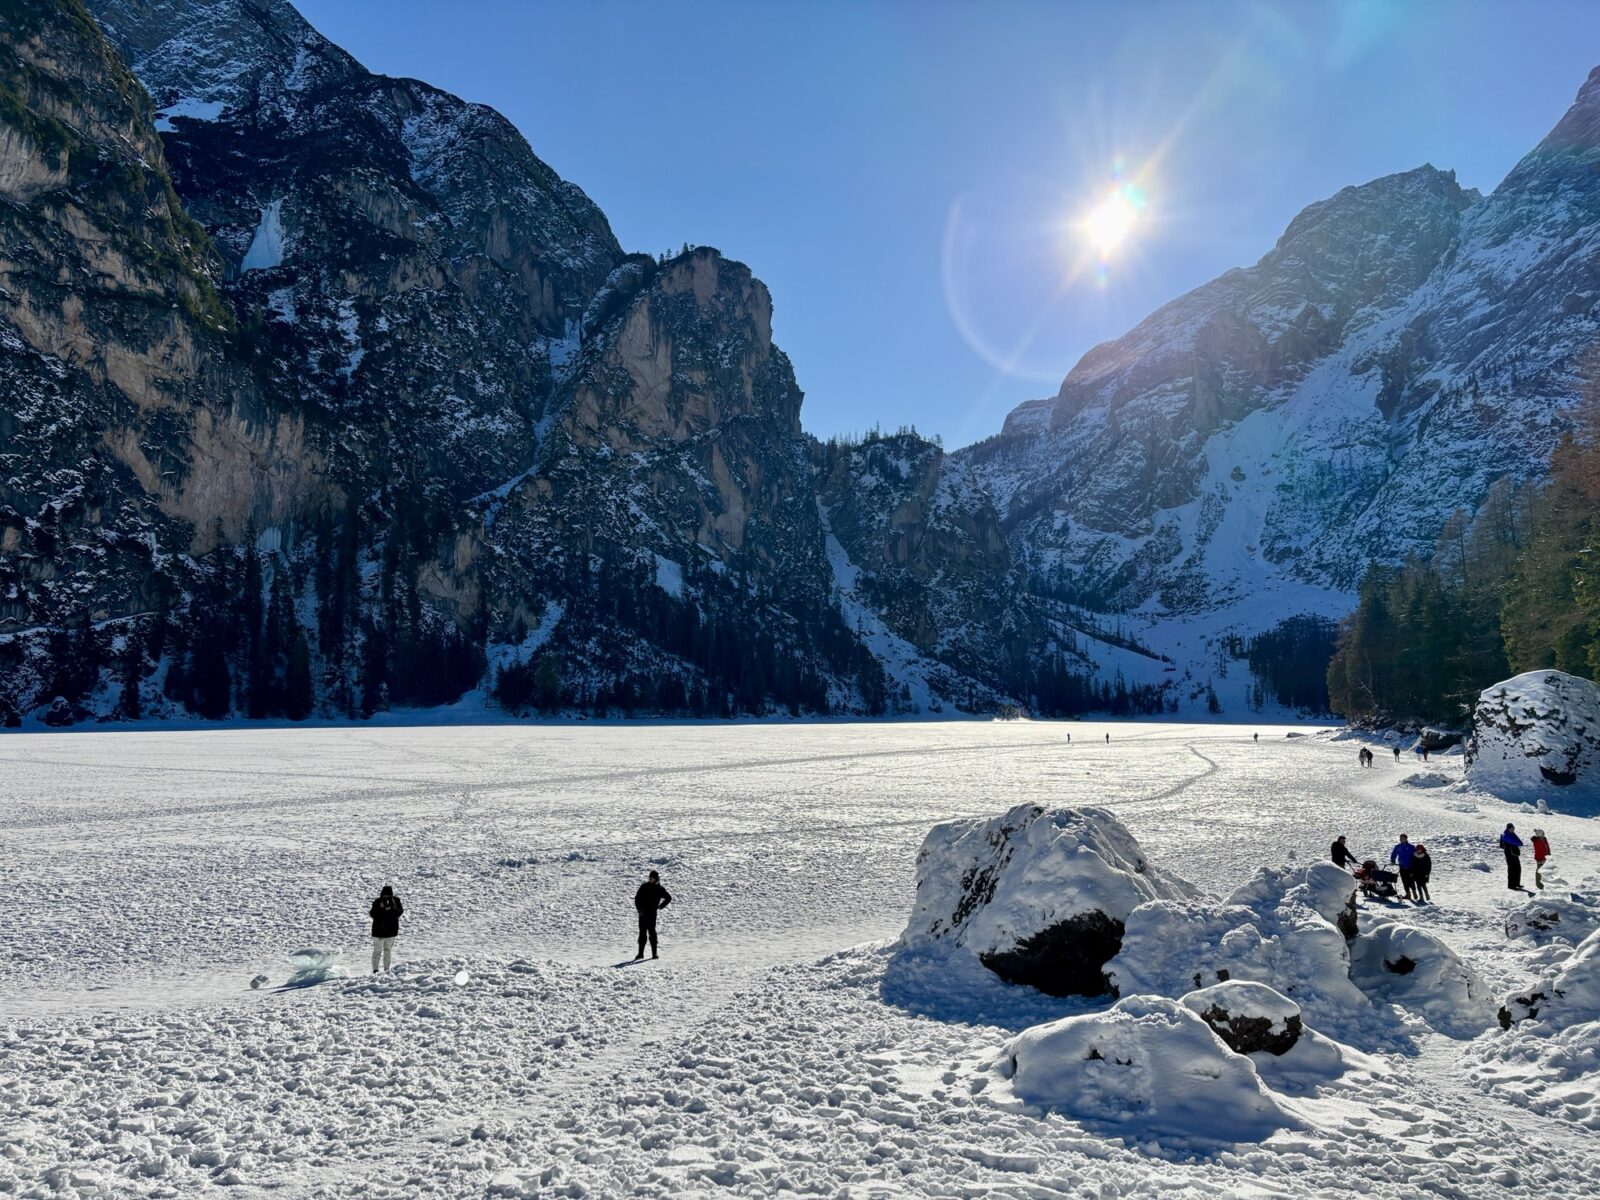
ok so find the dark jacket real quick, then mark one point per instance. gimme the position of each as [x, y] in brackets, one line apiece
[385, 914]
[650, 897]
[1422, 867]
[1342, 856]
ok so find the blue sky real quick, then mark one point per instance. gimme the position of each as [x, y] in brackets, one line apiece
[908, 177]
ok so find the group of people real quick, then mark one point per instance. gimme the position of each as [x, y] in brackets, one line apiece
[1365, 756]
[387, 910]
[1415, 865]
[1411, 859]
[1512, 845]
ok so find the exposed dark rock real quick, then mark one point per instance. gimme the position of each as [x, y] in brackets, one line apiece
[1067, 959]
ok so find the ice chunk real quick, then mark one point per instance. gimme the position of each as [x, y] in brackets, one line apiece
[266, 247]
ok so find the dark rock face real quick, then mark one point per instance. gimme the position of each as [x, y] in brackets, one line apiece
[1249, 1035]
[1067, 959]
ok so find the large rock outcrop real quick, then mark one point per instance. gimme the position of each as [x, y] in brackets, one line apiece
[1039, 895]
[1537, 734]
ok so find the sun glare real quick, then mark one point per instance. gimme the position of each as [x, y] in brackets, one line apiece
[1110, 222]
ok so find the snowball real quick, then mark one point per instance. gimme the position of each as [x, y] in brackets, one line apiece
[1249, 1017]
[1149, 1063]
[258, 982]
[1537, 732]
[1040, 896]
[1404, 965]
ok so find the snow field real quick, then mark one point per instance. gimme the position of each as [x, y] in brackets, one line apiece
[149, 876]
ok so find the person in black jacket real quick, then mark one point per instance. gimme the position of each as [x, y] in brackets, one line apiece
[650, 899]
[1341, 853]
[386, 910]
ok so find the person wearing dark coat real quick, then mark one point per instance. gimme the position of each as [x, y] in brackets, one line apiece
[1341, 853]
[1397, 754]
[386, 912]
[650, 899]
[1512, 845]
[1421, 872]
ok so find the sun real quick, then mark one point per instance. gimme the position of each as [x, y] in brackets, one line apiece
[1108, 224]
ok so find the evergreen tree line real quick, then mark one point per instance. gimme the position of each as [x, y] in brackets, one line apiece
[1513, 589]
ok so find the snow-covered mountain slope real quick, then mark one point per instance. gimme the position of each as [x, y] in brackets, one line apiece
[1249, 448]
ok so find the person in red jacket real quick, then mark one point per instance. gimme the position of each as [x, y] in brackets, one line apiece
[1541, 851]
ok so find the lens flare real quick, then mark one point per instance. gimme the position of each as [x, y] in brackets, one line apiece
[1108, 224]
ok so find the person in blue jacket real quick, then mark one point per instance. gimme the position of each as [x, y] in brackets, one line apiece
[1401, 857]
[1512, 845]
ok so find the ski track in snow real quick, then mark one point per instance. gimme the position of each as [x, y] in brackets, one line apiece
[149, 876]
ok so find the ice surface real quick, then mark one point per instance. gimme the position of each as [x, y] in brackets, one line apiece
[150, 874]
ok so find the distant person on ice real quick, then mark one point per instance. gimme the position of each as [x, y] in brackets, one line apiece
[386, 911]
[1397, 754]
[650, 899]
[1512, 845]
[1421, 872]
[1541, 851]
[1341, 853]
[1402, 856]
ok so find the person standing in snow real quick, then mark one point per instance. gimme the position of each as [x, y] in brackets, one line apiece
[1255, 737]
[650, 899]
[1512, 845]
[1541, 851]
[1421, 871]
[1341, 853]
[1108, 739]
[1402, 856]
[1397, 754]
[386, 911]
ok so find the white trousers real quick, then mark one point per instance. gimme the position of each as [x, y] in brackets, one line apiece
[381, 947]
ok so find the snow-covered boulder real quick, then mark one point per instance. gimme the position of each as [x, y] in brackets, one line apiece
[1567, 916]
[1278, 928]
[1149, 1063]
[1250, 1017]
[1039, 895]
[1537, 732]
[1570, 997]
[1404, 965]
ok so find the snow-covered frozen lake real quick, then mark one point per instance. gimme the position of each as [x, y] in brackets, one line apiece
[148, 876]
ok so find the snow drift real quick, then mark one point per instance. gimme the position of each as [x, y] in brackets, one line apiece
[1040, 896]
[1147, 1062]
[1275, 929]
[1537, 733]
[1570, 997]
[1407, 966]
